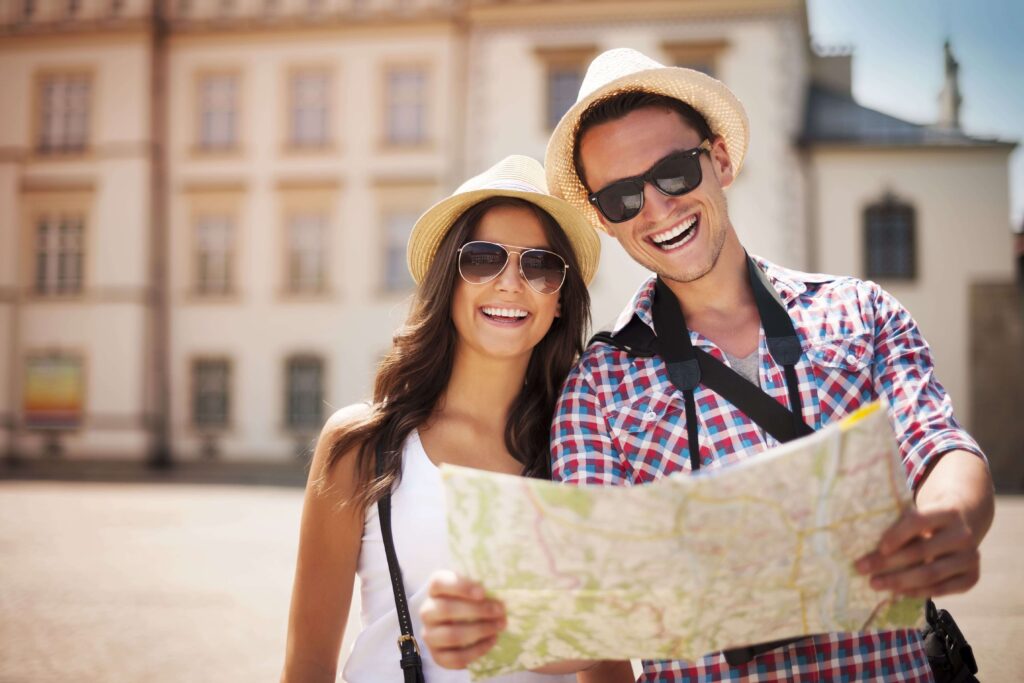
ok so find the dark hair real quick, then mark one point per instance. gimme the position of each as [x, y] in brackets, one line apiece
[416, 370]
[621, 103]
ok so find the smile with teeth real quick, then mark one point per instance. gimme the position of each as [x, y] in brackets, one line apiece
[504, 313]
[677, 235]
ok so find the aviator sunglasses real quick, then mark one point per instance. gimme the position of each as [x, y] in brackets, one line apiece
[480, 262]
[674, 175]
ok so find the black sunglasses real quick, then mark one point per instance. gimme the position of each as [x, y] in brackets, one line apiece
[674, 175]
[481, 262]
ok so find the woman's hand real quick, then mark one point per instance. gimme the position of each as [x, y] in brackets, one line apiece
[460, 623]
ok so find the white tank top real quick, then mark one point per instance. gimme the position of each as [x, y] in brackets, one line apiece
[419, 528]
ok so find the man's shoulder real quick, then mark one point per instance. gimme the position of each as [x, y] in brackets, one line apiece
[798, 283]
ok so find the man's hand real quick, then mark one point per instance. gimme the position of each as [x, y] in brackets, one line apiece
[460, 623]
[933, 550]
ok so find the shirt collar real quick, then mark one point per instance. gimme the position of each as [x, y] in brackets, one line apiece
[790, 284]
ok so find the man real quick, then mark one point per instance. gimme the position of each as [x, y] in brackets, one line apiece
[678, 138]
[647, 152]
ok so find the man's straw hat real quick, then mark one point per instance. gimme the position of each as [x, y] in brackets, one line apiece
[622, 70]
[514, 176]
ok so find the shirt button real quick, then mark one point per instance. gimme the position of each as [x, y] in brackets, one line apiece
[650, 415]
[851, 359]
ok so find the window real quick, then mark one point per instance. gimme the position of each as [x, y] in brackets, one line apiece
[889, 241]
[59, 247]
[397, 226]
[306, 247]
[563, 74]
[697, 55]
[210, 399]
[214, 236]
[305, 395]
[563, 86]
[64, 114]
[406, 108]
[218, 112]
[309, 103]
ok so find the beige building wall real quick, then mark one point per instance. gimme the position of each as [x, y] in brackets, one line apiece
[107, 184]
[961, 197]
[357, 180]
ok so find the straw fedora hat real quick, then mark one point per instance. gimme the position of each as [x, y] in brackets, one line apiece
[621, 70]
[514, 176]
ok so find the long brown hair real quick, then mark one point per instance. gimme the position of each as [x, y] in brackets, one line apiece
[416, 371]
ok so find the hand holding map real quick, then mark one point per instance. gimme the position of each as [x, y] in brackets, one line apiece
[686, 565]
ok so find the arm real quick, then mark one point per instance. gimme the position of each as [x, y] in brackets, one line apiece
[329, 542]
[931, 550]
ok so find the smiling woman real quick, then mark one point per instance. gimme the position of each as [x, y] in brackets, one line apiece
[497, 321]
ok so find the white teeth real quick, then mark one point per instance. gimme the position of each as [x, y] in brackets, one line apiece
[504, 312]
[674, 232]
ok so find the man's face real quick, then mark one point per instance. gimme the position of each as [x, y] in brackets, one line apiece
[679, 238]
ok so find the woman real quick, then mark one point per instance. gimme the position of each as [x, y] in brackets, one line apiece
[472, 379]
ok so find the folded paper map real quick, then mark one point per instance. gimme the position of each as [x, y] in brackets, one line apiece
[687, 565]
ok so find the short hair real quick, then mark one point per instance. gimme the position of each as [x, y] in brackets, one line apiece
[620, 104]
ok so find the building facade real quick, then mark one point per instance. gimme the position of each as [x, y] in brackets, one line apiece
[204, 203]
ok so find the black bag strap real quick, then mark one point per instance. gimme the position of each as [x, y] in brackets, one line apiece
[411, 663]
[689, 366]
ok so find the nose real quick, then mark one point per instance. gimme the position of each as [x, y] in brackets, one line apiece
[509, 280]
[657, 206]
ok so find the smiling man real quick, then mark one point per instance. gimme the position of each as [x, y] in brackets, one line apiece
[648, 153]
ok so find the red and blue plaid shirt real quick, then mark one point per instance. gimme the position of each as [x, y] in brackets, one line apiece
[620, 420]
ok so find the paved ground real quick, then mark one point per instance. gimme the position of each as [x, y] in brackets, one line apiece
[161, 582]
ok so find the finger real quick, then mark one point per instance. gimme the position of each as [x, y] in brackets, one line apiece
[460, 659]
[958, 584]
[924, 576]
[460, 636]
[910, 525]
[442, 610]
[949, 540]
[448, 583]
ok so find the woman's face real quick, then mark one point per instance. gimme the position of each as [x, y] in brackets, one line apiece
[504, 317]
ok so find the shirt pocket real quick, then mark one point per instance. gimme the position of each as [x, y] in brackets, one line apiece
[842, 374]
[651, 431]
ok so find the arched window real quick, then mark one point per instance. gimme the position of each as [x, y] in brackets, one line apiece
[890, 242]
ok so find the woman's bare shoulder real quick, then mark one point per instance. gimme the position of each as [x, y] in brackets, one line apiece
[347, 416]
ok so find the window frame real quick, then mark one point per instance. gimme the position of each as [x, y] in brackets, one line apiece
[427, 138]
[52, 150]
[194, 390]
[317, 419]
[551, 58]
[903, 272]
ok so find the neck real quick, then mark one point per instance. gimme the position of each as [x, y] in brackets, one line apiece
[482, 389]
[724, 291]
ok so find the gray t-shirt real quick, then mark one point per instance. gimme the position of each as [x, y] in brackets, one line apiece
[747, 366]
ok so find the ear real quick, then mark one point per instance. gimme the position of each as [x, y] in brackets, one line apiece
[558, 307]
[721, 163]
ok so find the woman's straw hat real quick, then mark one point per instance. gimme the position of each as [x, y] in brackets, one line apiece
[514, 176]
[623, 70]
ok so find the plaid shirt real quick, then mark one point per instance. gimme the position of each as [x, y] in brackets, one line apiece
[621, 421]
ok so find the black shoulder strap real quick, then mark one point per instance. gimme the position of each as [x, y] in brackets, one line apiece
[412, 665]
[689, 366]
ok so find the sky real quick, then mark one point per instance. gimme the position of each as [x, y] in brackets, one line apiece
[898, 63]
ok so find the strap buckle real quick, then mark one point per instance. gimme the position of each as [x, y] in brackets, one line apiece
[403, 639]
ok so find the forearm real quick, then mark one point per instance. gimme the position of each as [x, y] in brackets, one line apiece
[591, 671]
[960, 480]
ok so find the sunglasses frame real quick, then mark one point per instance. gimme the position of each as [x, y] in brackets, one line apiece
[648, 177]
[509, 250]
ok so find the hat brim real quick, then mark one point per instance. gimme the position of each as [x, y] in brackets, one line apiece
[435, 223]
[719, 106]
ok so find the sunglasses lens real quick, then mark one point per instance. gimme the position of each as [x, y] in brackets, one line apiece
[677, 174]
[480, 262]
[620, 201]
[544, 270]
